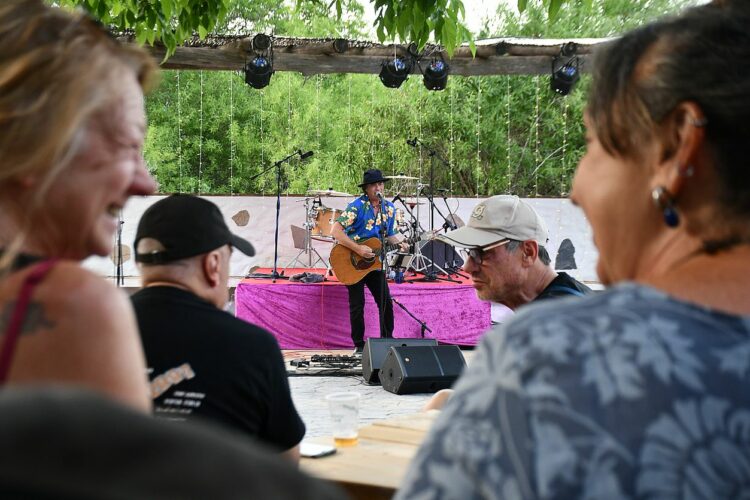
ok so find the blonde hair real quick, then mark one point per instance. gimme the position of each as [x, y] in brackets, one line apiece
[58, 71]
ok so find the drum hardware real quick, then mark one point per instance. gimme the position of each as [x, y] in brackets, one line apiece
[402, 178]
[322, 227]
[313, 208]
[328, 192]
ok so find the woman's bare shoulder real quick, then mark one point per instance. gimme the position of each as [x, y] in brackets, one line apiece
[82, 329]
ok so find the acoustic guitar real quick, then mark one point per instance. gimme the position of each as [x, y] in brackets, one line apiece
[350, 267]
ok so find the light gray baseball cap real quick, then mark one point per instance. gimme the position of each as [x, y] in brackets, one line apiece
[498, 218]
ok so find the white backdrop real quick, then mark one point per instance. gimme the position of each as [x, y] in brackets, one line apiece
[253, 218]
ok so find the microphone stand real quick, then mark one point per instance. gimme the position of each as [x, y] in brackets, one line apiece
[421, 323]
[431, 275]
[119, 273]
[450, 224]
[274, 275]
[383, 263]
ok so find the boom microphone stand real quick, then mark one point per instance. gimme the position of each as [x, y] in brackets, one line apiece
[422, 324]
[431, 274]
[274, 275]
[450, 225]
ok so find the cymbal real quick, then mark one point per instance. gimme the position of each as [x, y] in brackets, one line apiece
[402, 177]
[413, 203]
[327, 192]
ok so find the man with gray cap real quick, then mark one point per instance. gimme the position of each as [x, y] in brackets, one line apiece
[203, 362]
[503, 246]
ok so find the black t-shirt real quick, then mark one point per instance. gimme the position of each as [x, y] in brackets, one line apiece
[204, 362]
[563, 286]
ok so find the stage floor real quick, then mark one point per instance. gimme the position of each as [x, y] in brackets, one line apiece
[316, 315]
[308, 394]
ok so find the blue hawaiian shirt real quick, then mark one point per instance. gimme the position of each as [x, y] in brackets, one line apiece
[623, 394]
[360, 222]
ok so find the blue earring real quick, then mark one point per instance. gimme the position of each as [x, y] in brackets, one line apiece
[664, 201]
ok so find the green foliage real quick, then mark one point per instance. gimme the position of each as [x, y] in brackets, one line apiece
[503, 134]
[168, 21]
[419, 20]
[171, 22]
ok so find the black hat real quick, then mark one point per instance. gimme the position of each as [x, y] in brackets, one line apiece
[187, 226]
[372, 176]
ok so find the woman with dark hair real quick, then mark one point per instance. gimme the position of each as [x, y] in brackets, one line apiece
[641, 390]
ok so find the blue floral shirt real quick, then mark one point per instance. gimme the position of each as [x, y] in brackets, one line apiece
[360, 222]
[623, 394]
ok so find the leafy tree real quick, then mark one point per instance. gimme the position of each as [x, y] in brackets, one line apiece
[500, 134]
[171, 22]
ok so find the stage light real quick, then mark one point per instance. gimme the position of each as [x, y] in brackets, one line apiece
[261, 42]
[340, 45]
[258, 72]
[565, 74]
[395, 72]
[436, 75]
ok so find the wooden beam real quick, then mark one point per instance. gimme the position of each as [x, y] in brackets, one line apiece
[504, 56]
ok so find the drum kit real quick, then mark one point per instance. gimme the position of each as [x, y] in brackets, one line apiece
[320, 218]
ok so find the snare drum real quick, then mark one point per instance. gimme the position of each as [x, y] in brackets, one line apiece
[324, 221]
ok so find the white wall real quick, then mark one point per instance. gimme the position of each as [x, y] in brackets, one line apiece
[563, 219]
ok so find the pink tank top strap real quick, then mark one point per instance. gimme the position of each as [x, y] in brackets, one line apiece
[8, 347]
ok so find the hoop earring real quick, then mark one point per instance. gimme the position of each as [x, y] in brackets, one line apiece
[664, 201]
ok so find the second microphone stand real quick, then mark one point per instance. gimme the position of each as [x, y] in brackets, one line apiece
[431, 274]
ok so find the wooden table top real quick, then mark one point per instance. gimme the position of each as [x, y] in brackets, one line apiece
[377, 464]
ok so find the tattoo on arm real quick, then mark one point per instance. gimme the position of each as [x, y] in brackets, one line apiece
[34, 321]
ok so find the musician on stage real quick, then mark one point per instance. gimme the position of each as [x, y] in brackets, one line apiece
[364, 218]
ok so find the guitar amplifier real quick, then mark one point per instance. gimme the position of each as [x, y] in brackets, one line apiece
[442, 254]
[375, 351]
[413, 369]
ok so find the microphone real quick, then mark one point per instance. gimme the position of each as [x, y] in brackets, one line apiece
[303, 156]
[396, 198]
[412, 142]
[380, 196]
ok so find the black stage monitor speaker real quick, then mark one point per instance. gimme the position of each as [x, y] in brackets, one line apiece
[442, 254]
[375, 351]
[407, 370]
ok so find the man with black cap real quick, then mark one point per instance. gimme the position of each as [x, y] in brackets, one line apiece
[367, 217]
[202, 361]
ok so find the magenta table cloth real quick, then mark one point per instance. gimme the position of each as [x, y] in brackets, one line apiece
[316, 316]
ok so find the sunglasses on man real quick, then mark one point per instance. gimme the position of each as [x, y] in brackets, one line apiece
[477, 254]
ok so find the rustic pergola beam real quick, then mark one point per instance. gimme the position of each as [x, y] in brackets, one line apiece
[503, 56]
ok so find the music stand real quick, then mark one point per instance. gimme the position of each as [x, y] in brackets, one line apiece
[274, 274]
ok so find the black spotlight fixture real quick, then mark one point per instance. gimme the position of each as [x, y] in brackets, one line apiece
[395, 72]
[340, 45]
[261, 42]
[259, 67]
[258, 72]
[565, 70]
[436, 75]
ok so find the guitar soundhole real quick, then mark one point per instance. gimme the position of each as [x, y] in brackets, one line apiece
[360, 263]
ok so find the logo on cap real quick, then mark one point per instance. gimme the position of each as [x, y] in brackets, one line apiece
[478, 211]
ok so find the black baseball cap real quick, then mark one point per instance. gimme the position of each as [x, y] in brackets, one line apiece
[186, 226]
